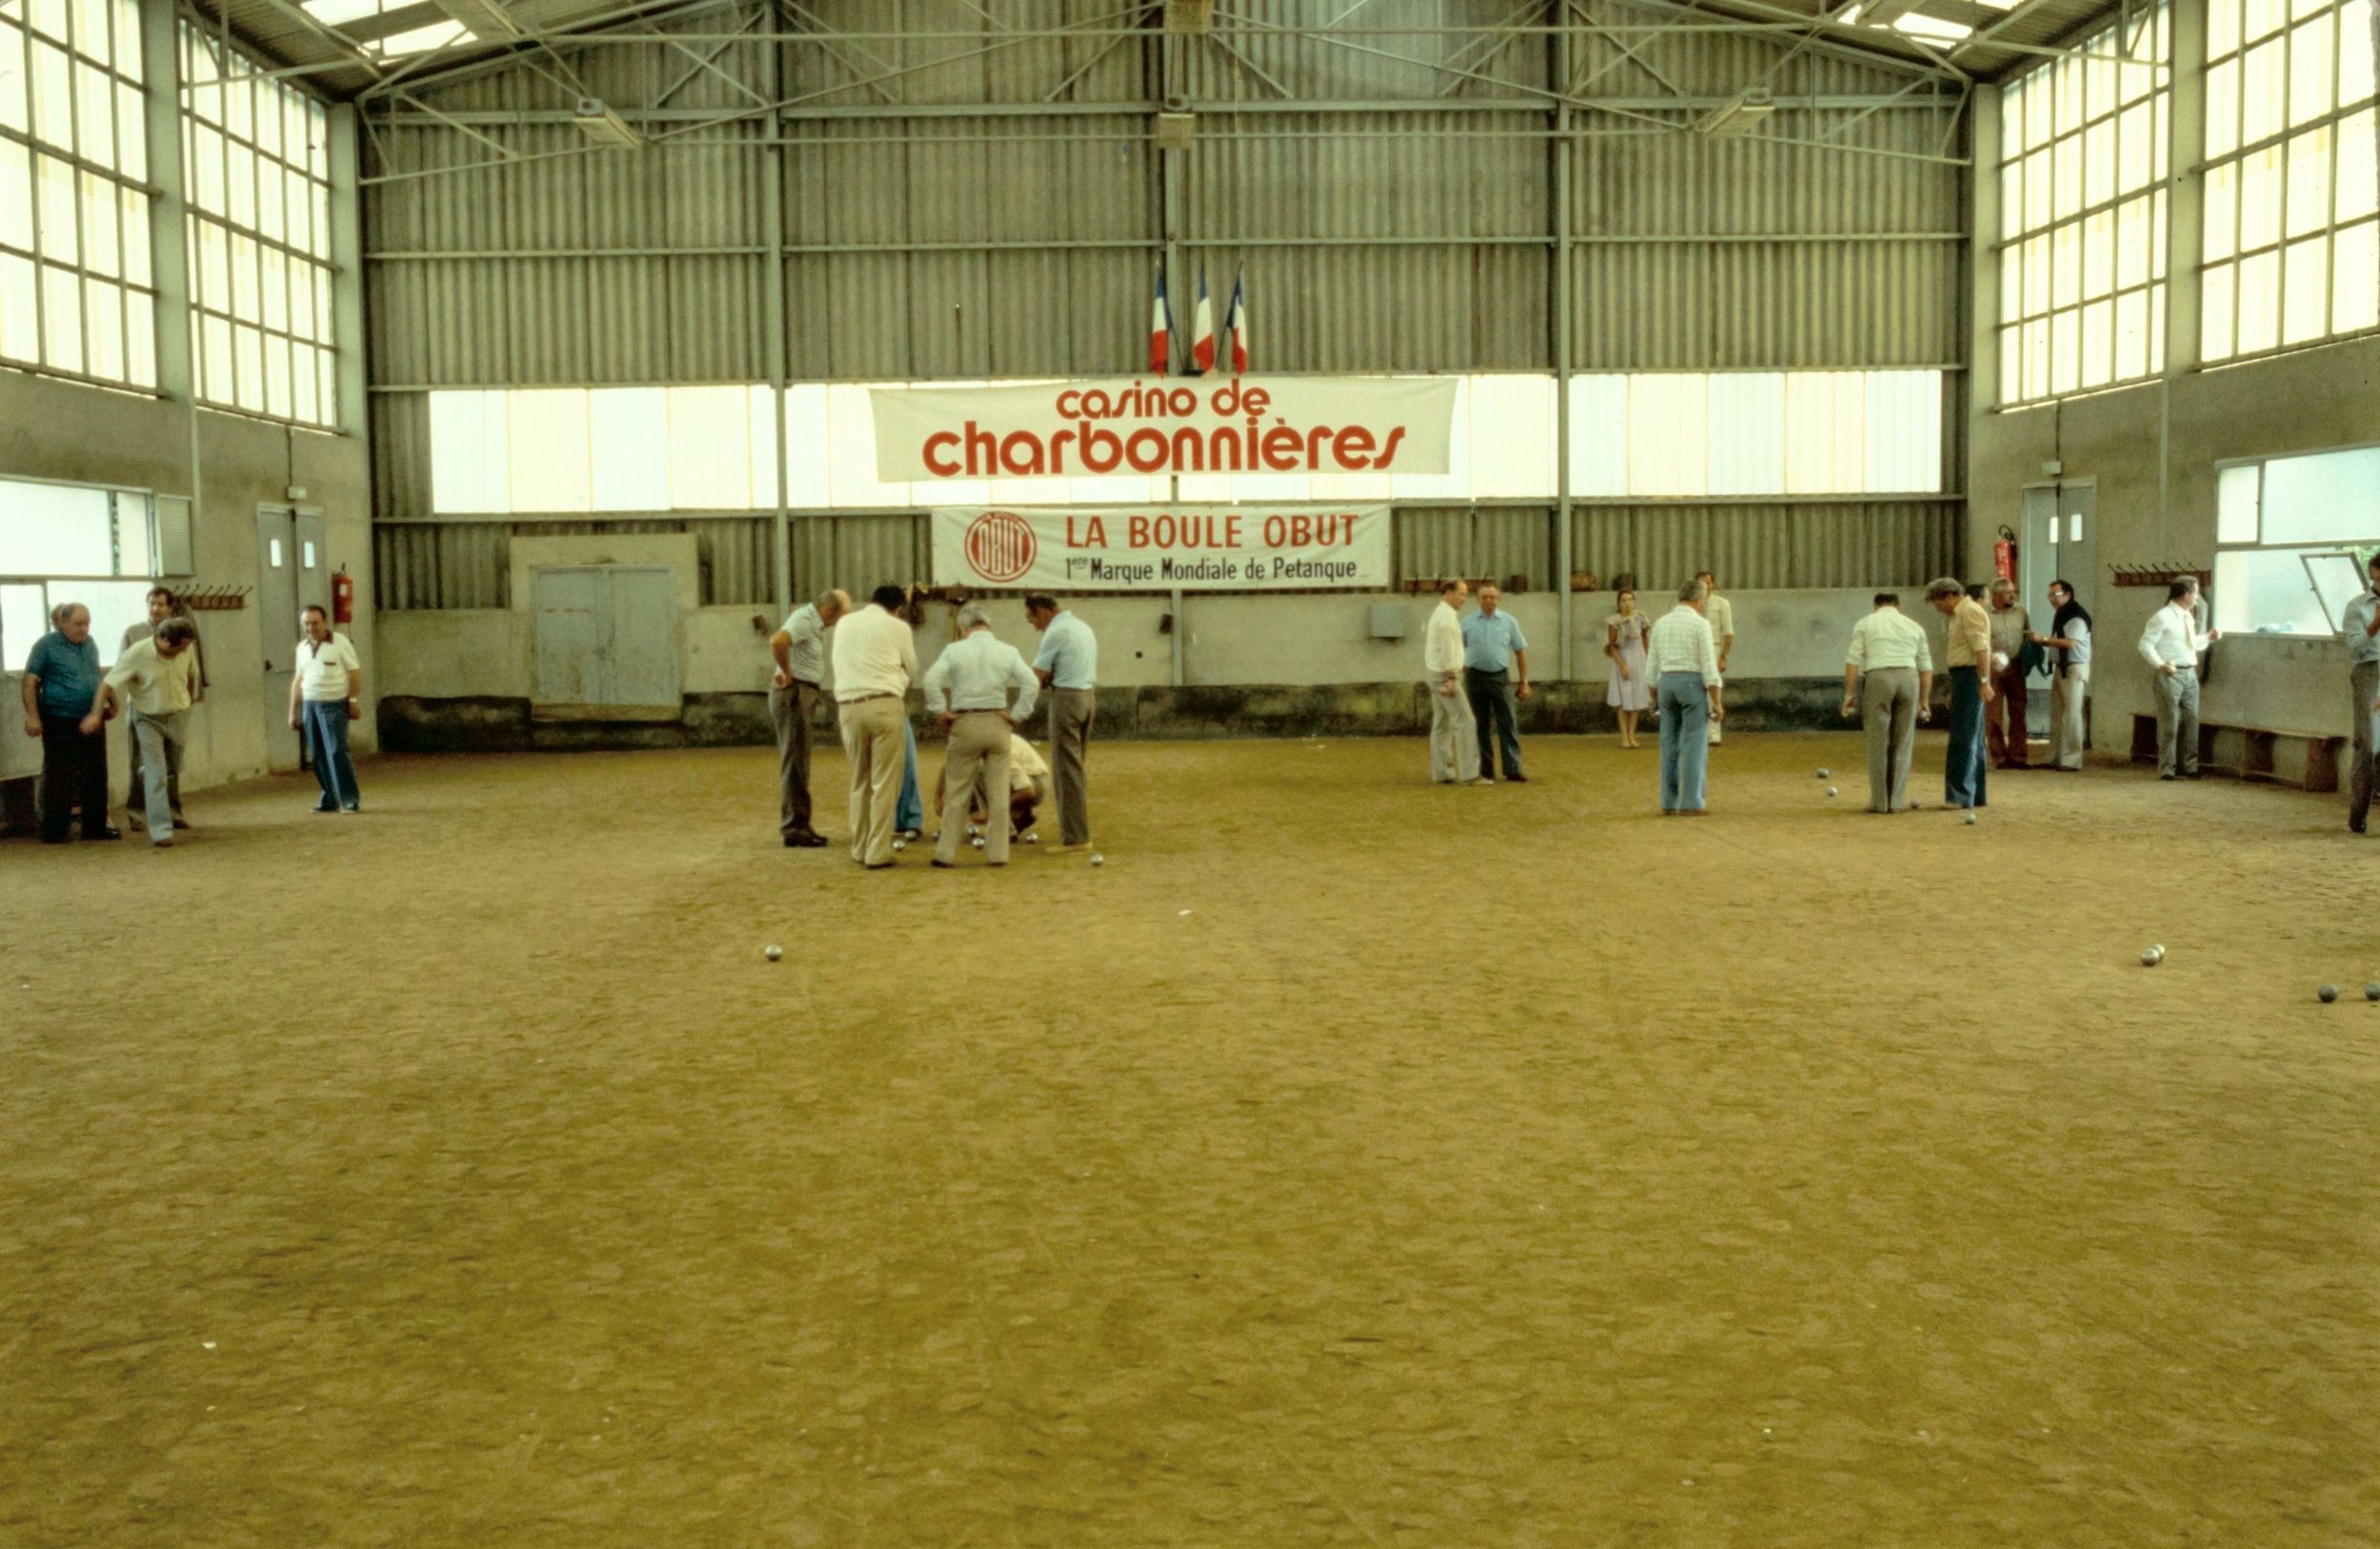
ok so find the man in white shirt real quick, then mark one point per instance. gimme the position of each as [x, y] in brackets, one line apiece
[2172, 646]
[1454, 734]
[969, 687]
[1681, 661]
[800, 651]
[326, 693]
[1888, 677]
[1721, 616]
[875, 660]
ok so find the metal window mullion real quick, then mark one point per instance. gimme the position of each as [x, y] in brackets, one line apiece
[82, 238]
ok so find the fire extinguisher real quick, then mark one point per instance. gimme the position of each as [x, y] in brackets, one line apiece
[343, 596]
[2004, 556]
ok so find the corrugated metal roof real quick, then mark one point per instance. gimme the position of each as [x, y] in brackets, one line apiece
[1251, 57]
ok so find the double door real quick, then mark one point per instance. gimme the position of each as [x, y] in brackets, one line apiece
[292, 572]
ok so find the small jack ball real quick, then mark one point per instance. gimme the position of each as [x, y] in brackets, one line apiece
[1098, 860]
[2329, 993]
[1830, 790]
[977, 842]
[900, 843]
[772, 953]
[1822, 774]
[1971, 817]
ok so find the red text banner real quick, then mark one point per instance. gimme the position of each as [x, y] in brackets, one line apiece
[1329, 426]
[1176, 548]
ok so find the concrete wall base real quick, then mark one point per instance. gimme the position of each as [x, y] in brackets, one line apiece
[503, 725]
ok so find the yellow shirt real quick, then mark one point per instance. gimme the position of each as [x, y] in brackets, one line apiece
[1970, 635]
[156, 684]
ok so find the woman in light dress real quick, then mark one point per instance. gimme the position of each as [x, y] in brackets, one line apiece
[1623, 642]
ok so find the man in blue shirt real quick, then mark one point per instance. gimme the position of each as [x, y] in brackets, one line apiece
[61, 679]
[1068, 665]
[1493, 650]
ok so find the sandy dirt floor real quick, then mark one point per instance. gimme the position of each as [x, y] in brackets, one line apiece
[1348, 1161]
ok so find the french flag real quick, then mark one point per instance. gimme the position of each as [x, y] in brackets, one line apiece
[1236, 325]
[1202, 331]
[1161, 329]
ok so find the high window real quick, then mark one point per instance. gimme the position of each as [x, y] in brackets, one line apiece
[2292, 206]
[64, 542]
[256, 161]
[75, 293]
[1691, 434]
[2082, 160]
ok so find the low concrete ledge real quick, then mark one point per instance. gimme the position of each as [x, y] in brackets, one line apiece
[491, 724]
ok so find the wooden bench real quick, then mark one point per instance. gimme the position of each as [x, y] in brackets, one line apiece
[2286, 758]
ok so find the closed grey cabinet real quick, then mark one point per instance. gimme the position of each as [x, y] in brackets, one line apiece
[606, 635]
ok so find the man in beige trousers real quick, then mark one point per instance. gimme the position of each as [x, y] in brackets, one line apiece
[968, 687]
[875, 660]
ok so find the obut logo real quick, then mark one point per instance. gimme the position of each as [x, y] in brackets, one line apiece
[1001, 545]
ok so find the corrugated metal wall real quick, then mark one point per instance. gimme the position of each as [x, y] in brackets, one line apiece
[1389, 213]
[440, 565]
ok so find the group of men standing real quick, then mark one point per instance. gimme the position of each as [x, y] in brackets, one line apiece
[980, 690]
[159, 675]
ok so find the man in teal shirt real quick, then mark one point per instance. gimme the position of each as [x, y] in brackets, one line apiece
[1493, 649]
[61, 678]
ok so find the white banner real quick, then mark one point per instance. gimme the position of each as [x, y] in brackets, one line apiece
[1189, 547]
[1169, 424]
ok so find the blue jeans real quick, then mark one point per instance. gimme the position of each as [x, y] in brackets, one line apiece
[326, 724]
[1962, 770]
[1685, 749]
[909, 812]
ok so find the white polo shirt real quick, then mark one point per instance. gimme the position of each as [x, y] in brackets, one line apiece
[323, 669]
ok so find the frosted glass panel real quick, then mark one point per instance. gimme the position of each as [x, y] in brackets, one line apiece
[805, 449]
[1512, 436]
[1903, 433]
[2330, 497]
[630, 449]
[711, 449]
[54, 530]
[469, 464]
[1747, 433]
[549, 465]
[1598, 435]
[851, 452]
[2264, 590]
[2235, 501]
[1825, 433]
[1669, 451]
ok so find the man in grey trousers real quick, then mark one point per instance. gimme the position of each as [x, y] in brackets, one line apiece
[1454, 725]
[1888, 678]
[1067, 665]
[800, 651]
[2361, 631]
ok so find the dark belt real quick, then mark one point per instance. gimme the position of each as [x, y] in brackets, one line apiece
[865, 697]
[1500, 674]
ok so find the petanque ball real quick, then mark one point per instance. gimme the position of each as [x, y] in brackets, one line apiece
[1822, 774]
[977, 842]
[1971, 817]
[2329, 993]
[1098, 860]
[900, 843]
[1830, 790]
[2372, 992]
[2151, 958]
[772, 953]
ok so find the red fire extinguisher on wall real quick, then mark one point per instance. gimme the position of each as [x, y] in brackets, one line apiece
[343, 596]
[2004, 556]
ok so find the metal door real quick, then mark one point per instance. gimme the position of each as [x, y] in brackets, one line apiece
[277, 626]
[641, 636]
[568, 604]
[313, 565]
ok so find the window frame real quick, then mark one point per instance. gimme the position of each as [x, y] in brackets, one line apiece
[2040, 239]
[131, 217]
[2357, 549]
[2235, 161]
